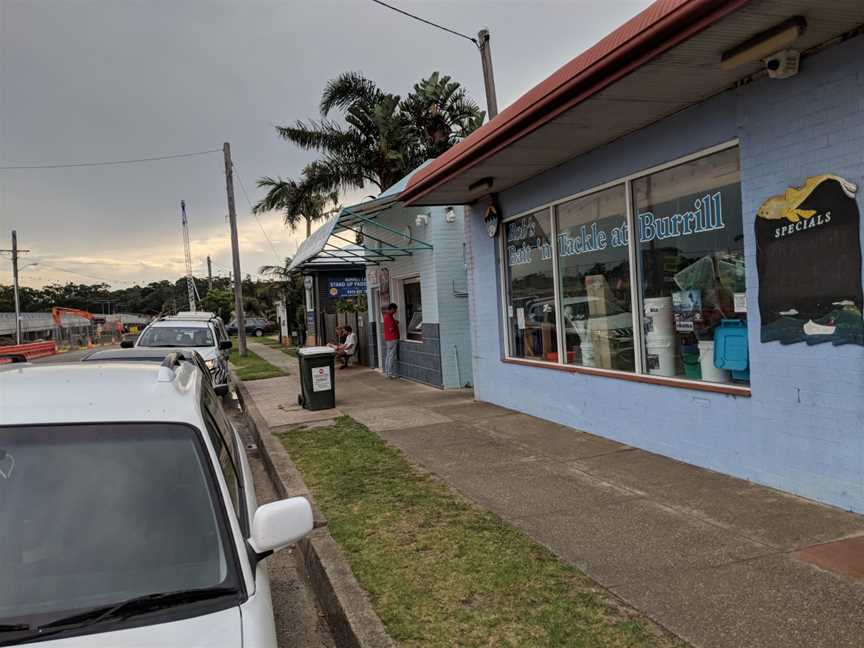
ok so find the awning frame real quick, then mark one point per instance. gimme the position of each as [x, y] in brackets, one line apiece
[349, 220]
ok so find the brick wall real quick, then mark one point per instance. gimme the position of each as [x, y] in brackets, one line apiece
[803, 428]
[442, 276]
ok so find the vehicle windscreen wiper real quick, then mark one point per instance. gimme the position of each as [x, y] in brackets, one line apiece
[13, 627]
[134, 606]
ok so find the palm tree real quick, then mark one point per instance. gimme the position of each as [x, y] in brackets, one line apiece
[382, 137]
[440, 113]
[298, 201]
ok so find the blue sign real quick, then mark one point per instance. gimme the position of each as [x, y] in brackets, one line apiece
[341, 287]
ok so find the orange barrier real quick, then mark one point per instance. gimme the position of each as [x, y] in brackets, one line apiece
[30, 351]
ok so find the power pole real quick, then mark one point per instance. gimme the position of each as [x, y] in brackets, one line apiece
[15, 252]
[235, 252]
[209, 274]
[488, 75]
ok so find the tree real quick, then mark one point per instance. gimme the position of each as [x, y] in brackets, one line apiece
[220, 302]
[305, 200]
[382, 138]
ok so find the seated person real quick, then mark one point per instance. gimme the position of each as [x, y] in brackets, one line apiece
[340, 338]
[348, 348]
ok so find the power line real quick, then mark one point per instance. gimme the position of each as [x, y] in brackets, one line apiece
[111, 163]
[428, 22]
[279, 258]
[83, 274]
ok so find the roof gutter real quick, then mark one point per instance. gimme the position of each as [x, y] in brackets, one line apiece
[671, 30]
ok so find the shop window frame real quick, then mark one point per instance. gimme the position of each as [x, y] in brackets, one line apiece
[398, 297]
[639, 374]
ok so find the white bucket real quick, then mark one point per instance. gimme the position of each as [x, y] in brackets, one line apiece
[706, 360]
[658, 316]
[661, 351]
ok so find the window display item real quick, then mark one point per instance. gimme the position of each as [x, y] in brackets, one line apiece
[710, 371]
[658, 316]
[730, 348]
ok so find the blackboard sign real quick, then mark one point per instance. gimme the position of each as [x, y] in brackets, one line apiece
[808, 254]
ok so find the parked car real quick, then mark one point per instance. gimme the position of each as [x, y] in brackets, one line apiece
[202, 332]
[256, 326]
[142, 354]
[129, 513]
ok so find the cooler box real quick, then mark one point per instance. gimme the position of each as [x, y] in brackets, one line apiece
[730, 348]
[317, 378]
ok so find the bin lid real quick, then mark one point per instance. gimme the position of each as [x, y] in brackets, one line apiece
[317, 350]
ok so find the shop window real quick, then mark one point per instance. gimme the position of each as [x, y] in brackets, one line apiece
[691, 246]
[531, 311]
[594, 273]
[685, 267]
[413, 301]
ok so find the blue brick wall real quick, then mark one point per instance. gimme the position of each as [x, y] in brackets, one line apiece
[803, 428]
[441, 270]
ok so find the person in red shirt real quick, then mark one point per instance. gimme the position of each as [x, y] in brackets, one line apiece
[391, 340]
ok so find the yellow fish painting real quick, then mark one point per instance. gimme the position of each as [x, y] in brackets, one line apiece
[788, 205]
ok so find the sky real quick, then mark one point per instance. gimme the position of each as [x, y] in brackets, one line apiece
[107, 80]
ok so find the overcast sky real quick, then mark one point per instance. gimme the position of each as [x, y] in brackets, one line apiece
[95, 80]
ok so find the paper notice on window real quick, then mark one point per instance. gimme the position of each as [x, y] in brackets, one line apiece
[321, 379]
[740, 301]
[509, 310]
[520, 318]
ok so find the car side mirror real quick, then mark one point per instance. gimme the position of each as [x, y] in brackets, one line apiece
[127, 344]
[224, 345]
[280, 524]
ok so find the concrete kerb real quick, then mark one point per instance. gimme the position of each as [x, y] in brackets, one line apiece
[349, 612]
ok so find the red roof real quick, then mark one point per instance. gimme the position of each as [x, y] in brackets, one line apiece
[659, 27]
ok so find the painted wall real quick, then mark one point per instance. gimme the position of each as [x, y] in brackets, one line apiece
[446, 327]
[803, 428]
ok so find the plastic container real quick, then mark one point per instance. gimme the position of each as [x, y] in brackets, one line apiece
[692, 366]
[317, 378]
[658, 316]
[706, 361]
[730, 348]
[660, 354]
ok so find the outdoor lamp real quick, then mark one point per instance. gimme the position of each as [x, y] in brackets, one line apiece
[449, 215]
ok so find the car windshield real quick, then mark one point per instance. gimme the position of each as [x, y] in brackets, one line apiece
[97, 514]
[176, 336]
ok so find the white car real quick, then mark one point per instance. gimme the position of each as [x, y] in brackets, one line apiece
[201, 332]
[128, 511]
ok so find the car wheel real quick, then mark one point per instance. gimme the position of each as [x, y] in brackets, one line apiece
[258, 332]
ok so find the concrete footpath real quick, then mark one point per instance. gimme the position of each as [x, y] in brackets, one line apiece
[719, 561]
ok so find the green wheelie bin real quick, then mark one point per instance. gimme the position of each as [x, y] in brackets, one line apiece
[317, 378]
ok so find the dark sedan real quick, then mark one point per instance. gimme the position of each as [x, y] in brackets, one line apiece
[256, 326]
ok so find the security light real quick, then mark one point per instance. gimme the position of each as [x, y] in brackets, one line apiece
[449, 215]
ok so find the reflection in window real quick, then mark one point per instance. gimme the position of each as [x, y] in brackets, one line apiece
[594, 270]
[531, 287]
[692, 261]
[413, 309]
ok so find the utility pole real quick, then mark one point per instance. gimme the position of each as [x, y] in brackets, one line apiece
[488, 74]
[235, 252]
[209, 274]
[15, 252]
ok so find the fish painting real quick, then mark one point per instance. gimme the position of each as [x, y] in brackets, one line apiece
[788, 205]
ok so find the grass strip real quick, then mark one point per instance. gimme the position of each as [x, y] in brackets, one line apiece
[273, 342]
[253, 366]
[442, 572]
